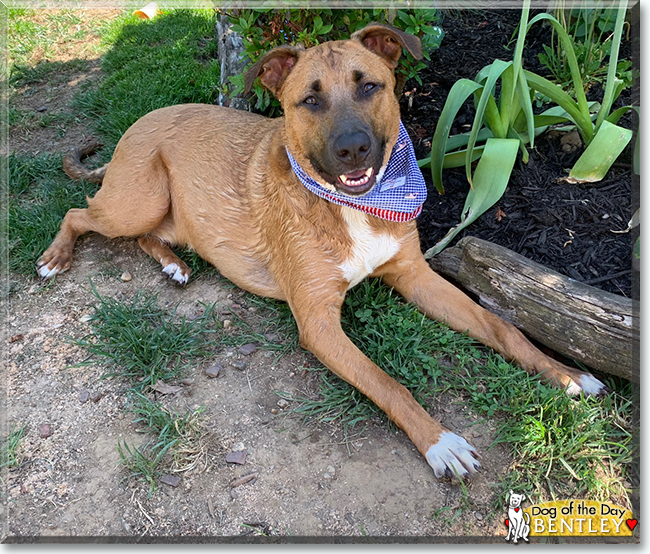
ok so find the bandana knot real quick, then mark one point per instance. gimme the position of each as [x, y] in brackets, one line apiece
[397, 196]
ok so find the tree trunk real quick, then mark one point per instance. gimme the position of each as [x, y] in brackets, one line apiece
[232, 61]
[597, 328]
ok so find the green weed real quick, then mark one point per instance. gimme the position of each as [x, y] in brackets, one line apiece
[145, 343]
[9, 447]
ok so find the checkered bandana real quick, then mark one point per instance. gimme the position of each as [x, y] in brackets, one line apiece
[397, 196]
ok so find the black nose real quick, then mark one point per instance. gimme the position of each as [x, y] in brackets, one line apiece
[352, 148]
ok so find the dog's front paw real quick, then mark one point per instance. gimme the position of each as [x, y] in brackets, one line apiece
[586, 384]
[451, 455]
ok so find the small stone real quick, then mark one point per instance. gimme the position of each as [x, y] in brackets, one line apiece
[227, 324]
[95, 396]
[247, 349]
[327, 475]
[45, 430]
[238, 447]
[272, 337]
[282, 404]
[126, 277]
[241, 366]
[478, 515]
[187, 382]
[238, 457]
[84, 395]
[41, 109]
[330, 469]
[171, 480]
[214, 370]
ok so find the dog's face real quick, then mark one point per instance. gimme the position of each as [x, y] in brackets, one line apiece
[516, 500]
[339, 103]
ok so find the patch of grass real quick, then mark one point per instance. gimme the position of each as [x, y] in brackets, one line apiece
[38, 195]
[152, 64]
[9, 447]
[178, 444]
[144, 343]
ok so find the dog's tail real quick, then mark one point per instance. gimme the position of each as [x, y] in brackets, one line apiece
[76, 170]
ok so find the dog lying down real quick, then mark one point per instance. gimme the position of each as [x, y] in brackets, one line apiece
[301, 208]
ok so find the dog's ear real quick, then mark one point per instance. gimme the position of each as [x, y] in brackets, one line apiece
[272, 68]
[387, 41]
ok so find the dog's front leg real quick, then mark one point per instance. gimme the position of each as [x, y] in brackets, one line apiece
[319, 323]
[410, 275]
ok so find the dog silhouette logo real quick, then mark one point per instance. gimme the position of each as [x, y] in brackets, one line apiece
[518, 521]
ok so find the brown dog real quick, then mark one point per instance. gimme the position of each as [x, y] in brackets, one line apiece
[220, 181]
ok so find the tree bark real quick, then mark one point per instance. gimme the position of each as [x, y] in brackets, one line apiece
[232, 61]
[581, 322]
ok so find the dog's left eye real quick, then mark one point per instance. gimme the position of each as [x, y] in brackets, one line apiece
[368, 87]
[310, 100]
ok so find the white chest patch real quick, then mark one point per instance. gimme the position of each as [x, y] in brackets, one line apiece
[369, 248]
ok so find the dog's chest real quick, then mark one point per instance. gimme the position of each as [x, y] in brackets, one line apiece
[370, 249]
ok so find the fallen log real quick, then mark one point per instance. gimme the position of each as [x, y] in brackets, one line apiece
[594, 327]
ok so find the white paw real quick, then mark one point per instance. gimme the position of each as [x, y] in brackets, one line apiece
[46, 273]
[452, 454]
[175, 273]
[588, 384]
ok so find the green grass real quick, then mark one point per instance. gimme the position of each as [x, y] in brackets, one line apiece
[9, 447]
[177, 444]
[39, 195]
[143, 343]
[170, 60]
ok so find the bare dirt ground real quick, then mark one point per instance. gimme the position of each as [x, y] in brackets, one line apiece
[307, 481]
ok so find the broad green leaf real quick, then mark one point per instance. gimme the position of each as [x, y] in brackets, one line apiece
[599, 156]
[490, 181]
[495, 71]
[458, 94]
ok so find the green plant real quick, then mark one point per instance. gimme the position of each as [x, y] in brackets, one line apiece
[9, 446]
[509, 124]
[145, 343]
[604, 139]
[264, 28]
[504, 127]
[592, 30]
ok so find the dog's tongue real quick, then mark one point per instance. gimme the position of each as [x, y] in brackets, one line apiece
[356, 178]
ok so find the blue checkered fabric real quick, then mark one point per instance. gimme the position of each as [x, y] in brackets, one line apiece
[398, 196]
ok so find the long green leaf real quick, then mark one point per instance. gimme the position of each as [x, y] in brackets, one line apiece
[490, 181]
[567, 44]
[611, 84]
[599, 156]
[494, 71]
[458, 94]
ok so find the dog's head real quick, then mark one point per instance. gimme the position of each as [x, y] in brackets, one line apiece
[342, 116]
[515, 499]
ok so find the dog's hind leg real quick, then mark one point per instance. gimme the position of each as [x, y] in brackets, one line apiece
[126, 206]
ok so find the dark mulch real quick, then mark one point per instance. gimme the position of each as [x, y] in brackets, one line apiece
[569, 228]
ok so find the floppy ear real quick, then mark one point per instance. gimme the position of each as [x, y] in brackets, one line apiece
[272, 69]
[387, 41]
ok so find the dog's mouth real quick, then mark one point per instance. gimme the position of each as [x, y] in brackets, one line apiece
[354, 183]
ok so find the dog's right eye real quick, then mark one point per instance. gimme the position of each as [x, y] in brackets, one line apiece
[310, 101]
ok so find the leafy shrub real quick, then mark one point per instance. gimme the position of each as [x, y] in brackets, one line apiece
[264, 29]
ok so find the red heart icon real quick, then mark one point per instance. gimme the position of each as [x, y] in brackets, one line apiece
[631, 523]
[516, 509]
[507, 522]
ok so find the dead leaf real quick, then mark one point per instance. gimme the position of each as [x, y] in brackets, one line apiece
[164, 388]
